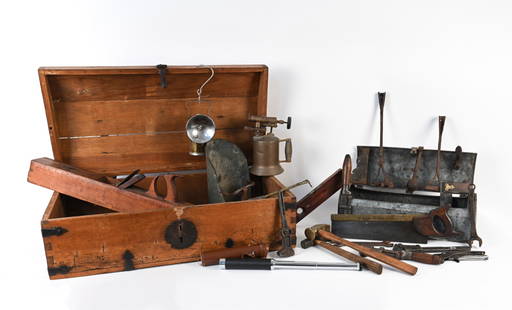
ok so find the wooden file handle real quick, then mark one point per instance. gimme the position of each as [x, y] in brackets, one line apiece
[426, 258]
[369, 264]
[371, 253]
[347, 172]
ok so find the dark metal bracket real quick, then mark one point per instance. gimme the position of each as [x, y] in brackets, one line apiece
[128, 261]
[53, 231]
[458, 155]
[162, 70]
[62, 269]
[413, 181]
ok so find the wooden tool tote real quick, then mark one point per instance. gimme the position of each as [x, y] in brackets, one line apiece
[112, 120]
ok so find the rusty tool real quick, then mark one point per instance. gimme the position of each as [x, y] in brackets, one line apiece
[344, 203]
[286, 241]
[242, 191]
[472, 212]
[413, 182]
[441, 122]
[313, 239]
[131, 179]
[386, 180]
[463, 256]
[436, 223]
[429, 249]
[424, 258]
[369, 252]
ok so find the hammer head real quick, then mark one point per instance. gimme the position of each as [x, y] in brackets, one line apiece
[311, 232]
[306, 243]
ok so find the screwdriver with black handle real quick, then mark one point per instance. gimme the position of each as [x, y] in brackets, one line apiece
[269, 264]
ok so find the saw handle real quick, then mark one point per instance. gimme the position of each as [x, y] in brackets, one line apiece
[170, 183]
[426, 258]
[347, 173]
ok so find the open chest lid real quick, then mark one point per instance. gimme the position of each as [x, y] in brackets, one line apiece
[113, 120]
[415, 168]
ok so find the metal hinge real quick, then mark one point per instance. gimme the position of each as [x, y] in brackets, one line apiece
[62, 269]
[162, 70]
[290, 206]
[53, 231]
[128, 260]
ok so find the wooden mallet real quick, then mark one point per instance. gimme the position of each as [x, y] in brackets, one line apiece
[322, 231]
[311, 234]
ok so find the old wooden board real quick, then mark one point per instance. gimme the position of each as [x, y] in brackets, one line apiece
[319, 194]
[113, 120]
[109, 242]
[83, 185]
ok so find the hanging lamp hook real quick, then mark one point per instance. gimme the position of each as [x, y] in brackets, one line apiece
[200, 89]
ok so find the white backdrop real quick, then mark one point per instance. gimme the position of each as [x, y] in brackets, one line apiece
[327, 60]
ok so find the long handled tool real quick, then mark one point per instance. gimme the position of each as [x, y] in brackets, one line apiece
[369, 264]
[286, 240]
[311, 235]
[269, 264]
[386, 180]
[369, 252]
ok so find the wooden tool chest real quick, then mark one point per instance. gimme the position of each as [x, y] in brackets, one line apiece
[113, 120]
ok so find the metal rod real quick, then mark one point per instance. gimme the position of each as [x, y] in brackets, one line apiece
[283, 190]
[442, 119]
[382, 100]
[270, 263]
[276, 264]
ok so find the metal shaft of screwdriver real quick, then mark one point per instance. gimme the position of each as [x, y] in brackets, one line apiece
[282, 264]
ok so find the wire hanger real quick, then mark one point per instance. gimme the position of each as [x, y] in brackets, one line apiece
[200, 89]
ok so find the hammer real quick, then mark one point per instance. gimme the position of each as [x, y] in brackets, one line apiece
[323, 232]
[311, 234]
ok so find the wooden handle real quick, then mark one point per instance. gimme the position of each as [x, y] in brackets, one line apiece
[347, 172]
[426, 258]
[212, 257]
[319, 194]
[369, 264]
[170, 182]
[371, 253]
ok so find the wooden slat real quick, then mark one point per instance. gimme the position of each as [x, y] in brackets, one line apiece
[54, 208]
[96, 243]
[153, 153]
[319, 194]
[130, 87]
[90, 118]
[53, 124]
[74, 182]
[105, 101]
[115, 70]
[262, 93]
